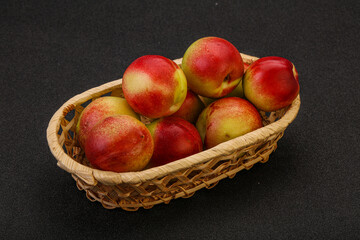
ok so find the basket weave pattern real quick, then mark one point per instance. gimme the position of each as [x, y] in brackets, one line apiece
[182, 178]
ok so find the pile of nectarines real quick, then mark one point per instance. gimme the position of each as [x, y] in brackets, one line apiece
[213, 97]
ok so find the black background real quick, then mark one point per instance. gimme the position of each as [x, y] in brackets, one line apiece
[53, 50]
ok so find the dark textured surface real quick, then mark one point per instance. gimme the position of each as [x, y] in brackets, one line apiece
[53, 50]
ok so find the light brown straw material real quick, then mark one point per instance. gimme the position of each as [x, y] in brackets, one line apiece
[181, 178]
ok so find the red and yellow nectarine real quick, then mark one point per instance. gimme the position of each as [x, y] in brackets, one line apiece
[226, 119]
[213, 67]
[119, 143]
[154, 86]
[99, 109]
[174, 138]
[271, 83]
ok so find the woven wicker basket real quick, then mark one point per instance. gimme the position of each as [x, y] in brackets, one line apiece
[181, 178]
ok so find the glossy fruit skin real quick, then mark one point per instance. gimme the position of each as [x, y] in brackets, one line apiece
[191, 108]
[213, 67]
[174, 138]
[99, 109]
[237, 92]
[226, 119]
[271, 83]
[154, 86]
[119, 143]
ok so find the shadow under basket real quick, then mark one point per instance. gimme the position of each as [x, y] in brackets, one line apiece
[182, 178]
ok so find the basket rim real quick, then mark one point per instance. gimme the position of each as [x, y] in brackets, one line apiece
[92, 176]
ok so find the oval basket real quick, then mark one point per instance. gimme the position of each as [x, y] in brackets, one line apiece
[182, 178]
